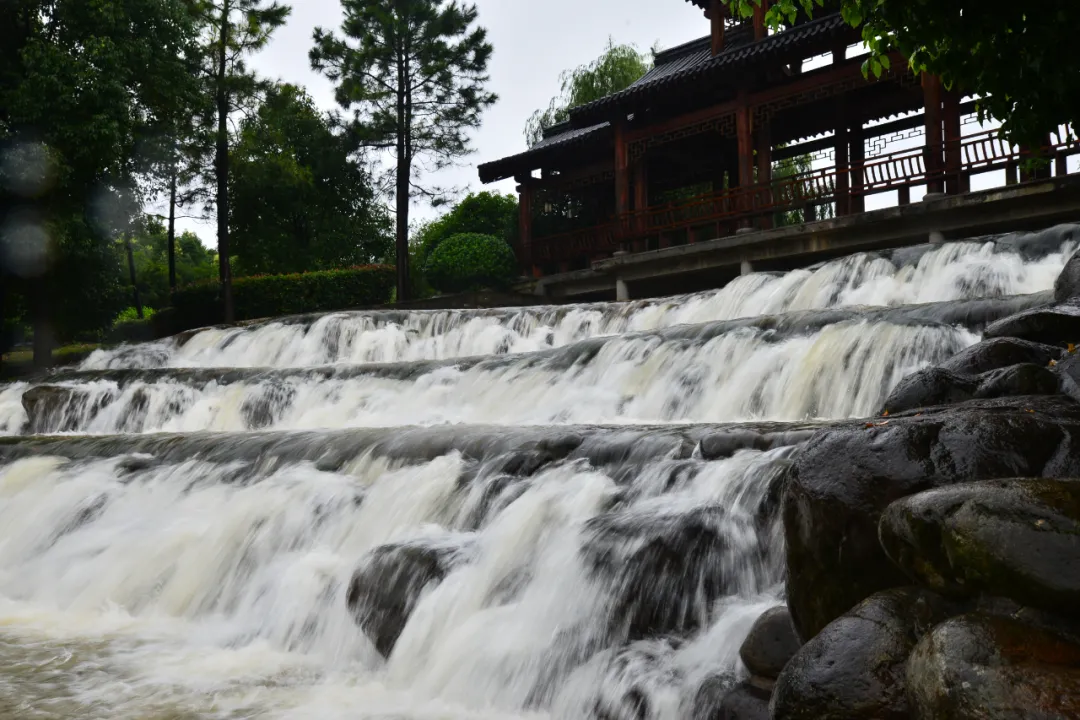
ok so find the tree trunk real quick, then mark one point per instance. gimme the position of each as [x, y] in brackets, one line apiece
[221, 166]
[404, 290]
[43, 335]
[172, 224]
[134, 279]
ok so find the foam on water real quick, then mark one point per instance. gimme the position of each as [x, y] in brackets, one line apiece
[173, 591]
[951, 272]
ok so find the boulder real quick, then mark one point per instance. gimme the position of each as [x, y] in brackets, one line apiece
[996, 353]
[1068, 370]
[663, 570]
[771, 643]
[746, 701]
[854, 669]
[929, 387]
[1023, 379]
[1018, 539]
[390, 581]
[993, 668]
[846, 476]
[1067, 285]
[1053, 325]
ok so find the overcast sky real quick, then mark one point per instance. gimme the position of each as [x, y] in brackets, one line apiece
[533, 41]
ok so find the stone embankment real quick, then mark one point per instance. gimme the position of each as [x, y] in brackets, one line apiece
[934, 552]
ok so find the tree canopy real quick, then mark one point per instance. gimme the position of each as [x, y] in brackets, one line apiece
[300, 202]
[616, 69]
[1010, 54]
[483, 213]
[413, 74]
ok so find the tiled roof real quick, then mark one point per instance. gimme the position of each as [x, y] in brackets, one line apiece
[557, 136]
[695, 61]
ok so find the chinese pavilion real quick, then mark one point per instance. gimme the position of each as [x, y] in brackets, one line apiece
[729, 133]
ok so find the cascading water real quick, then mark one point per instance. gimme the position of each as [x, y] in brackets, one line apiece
[541, 513]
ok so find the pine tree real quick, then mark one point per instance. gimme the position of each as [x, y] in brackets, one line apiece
[238, 28]
[413, 74]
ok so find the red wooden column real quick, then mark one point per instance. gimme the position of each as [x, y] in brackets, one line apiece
[641, 202]
[935, 159]
[954, 162]
[525, 200]
[744, 133]
[842, 156]
[763, 142]
[622, 174]
[717, 14]
[857, 141]
[760, 29]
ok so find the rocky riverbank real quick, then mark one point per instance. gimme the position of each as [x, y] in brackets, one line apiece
[933, 554]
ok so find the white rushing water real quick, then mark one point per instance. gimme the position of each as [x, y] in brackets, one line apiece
[172, 591]
[954, 271]
[531, 523]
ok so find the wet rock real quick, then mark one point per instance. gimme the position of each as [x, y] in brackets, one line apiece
[46, 406]
[1067, 285]
[845, 477]
[1024, 379]
[389, 582]
[723, 444]
[1018, 539]
[771, 643]
[998, 353]
[992, 668]
[664, 570]
[1053, 325]
[746, 701]
[929, 387]
[854, 669]
[1068, 370]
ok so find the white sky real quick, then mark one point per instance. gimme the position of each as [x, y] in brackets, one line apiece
[534, 41]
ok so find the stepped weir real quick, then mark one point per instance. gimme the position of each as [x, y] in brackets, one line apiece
[546, 512]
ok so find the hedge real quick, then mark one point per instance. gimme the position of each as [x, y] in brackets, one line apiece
[263, 296]
[471, 261]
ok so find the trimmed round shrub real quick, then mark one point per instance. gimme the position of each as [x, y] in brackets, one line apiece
[471, 261]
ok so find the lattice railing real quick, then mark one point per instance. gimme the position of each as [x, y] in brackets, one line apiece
[901, 170]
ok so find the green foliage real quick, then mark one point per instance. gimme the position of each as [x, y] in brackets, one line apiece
[484, 213]
[83, 90]
[1010, 54]
[131, 314]
[619, 67]
[265, 296]
[194, 262]
[412, 73]
[300, 203]
[471, 261]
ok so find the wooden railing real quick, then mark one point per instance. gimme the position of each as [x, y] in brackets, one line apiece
[722, 212]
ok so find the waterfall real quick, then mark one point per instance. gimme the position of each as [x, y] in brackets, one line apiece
[555, 513]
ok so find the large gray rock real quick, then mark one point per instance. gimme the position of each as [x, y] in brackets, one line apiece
[1018, 539]
[1068, 369]
[772, 642]
[1053, 325]
[1067, 285]
[390, 581]
[854, 669]
[977, 667]
[664, 570]
[845, 477]
[929, 387]
[997, 353]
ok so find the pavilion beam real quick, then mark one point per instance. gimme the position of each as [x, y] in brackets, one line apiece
[526, 190]
[954, 162]
[717, 15]
[935, 160]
